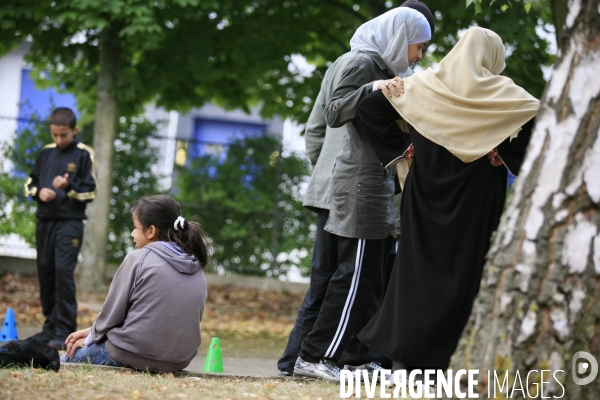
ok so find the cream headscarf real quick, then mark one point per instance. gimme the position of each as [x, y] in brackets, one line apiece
[464, 105]
[390, 34]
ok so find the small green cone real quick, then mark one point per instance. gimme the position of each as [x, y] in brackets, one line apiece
[214, 362]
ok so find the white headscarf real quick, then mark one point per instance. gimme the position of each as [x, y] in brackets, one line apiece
[390, 34]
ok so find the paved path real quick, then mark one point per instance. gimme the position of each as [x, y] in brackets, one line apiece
[240, 366]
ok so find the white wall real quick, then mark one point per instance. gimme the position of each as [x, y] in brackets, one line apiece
[11, 67]
[166, 131]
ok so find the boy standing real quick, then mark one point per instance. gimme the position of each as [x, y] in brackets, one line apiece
[63, 180]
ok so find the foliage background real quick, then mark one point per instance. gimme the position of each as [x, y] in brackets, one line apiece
[232, 195]
[235, 198]
[181, 54]
[132, 179]
[237, 53]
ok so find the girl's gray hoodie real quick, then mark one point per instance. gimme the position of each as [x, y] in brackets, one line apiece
[151, 316]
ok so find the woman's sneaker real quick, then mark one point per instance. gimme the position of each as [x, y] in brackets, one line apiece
[324, 369]
[370, 367]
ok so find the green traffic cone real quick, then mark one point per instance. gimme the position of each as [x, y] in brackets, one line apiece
[214, 362]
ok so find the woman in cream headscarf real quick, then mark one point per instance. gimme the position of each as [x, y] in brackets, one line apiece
[361, 219]
[453, 196]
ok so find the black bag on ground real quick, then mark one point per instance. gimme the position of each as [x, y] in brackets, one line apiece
[29, 353]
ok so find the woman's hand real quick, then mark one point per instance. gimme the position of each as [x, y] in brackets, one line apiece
[392, 87]
[409, 154]
[494, 158]
[76, 340]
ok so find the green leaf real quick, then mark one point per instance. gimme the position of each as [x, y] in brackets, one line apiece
[527, 7]
[93, 21]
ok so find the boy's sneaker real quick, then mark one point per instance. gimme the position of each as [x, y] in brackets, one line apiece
[324, 369]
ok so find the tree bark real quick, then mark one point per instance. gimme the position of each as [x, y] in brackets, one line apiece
[93, 266]
[276, 210]
[539, 301]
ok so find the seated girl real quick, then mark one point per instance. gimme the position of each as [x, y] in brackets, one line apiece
[151, 317]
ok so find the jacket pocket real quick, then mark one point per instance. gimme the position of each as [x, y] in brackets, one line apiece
[339, 204]
[374, 212]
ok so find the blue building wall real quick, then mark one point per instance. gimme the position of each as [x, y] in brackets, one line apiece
[35, 103]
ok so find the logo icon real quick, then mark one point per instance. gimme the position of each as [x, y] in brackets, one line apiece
[75, 242]
[71, 167]
[580, 367]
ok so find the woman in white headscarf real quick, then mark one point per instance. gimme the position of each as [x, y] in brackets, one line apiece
[361, 218]
[453, 196]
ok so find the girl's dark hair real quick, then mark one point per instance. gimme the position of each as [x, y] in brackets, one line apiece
[162, 211]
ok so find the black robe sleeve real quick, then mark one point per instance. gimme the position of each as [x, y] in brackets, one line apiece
[512, 152]
[378, 121]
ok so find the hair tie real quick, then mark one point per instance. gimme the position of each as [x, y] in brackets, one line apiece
[180, 223]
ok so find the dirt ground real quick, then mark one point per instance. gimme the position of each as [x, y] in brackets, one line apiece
[244, 312]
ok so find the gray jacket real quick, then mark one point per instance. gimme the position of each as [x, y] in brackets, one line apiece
[362, 188]
[151, 316]
[322, 142]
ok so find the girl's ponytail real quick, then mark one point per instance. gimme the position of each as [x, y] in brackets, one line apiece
[164, 213]
[190, 236]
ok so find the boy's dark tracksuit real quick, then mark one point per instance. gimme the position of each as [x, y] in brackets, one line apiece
[59, 230]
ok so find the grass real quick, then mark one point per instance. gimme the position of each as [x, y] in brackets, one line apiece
[251, 324]
[99, 383]
[107, 383]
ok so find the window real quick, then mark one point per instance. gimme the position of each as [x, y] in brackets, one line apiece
[212, 136]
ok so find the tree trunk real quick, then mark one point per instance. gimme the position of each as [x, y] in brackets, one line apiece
[93, 266]
[539, 301]
[277, 211]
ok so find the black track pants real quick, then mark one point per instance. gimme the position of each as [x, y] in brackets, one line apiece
[58, 244]
[353, 295]
[323, 266]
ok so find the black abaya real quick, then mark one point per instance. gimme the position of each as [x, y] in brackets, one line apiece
[449, 211]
